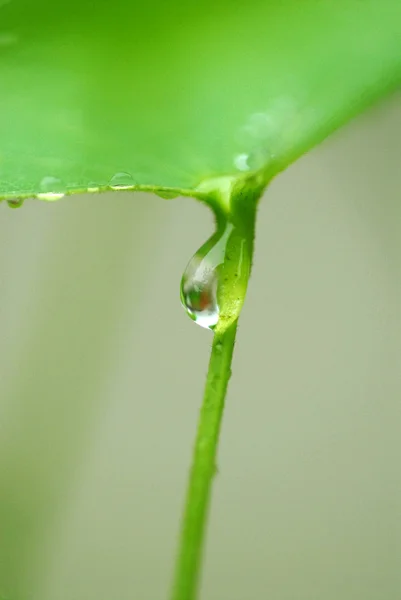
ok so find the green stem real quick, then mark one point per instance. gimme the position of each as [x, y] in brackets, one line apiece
[203, 466]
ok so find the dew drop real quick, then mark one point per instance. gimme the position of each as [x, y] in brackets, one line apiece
[241, 162]
[15, 202]
[51, 189]
[122, 181]
[92, 188]
[199, 284]
[199, 295]
[166, 194]
[258, 158]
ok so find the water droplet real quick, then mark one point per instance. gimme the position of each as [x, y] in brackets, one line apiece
[15, 202]
[258, 158]
[92, 188]
[167, 194]
[241, 162]
[199, 284]
[51, 189]
[219, 347]
[122, 181]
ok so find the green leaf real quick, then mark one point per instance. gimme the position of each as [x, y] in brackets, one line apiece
[170, 94]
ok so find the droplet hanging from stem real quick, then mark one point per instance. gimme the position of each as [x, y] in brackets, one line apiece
[214, 283]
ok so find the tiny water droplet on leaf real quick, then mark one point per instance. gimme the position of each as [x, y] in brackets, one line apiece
[51, 188]
[166, 194]
[241, 162]
[122, 181]
[92, 188]
[257, 158]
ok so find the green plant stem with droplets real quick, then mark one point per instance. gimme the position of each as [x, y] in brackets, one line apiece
[203, 466]
[236, 225]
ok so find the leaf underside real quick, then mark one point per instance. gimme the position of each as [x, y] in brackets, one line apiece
[170, 94]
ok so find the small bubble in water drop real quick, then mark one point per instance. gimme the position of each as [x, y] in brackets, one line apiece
[122, 181]
[51, 188]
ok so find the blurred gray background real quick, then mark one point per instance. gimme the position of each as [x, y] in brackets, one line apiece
[102, 376]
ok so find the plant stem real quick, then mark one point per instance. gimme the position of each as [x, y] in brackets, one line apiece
[203, 467]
